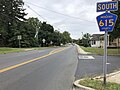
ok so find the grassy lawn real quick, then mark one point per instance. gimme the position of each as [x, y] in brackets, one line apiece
[5, 50]
[100, 51]
[98, 85]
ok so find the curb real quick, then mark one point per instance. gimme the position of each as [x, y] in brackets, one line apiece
[81, 51]
[76, 83]
[108, 75]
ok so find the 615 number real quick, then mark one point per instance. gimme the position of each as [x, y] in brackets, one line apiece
[106, 22]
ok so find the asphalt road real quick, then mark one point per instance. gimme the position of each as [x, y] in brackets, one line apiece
[50, 69]
[49, 72]
[94, 67]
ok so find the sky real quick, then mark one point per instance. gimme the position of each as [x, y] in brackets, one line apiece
[75, 16]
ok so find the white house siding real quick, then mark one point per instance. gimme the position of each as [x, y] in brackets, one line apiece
[97, 44]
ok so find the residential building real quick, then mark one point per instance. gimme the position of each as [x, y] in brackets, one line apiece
[115, 43]
[95, 40]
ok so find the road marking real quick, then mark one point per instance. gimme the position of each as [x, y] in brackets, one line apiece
[85, 57]
[56, 50]
[107, 63]
[32, 60]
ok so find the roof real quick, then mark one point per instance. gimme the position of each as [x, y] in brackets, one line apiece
[96, 37]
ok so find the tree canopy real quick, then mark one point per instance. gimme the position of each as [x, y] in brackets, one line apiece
[11, 16]
[116, 32]
[13, 23]
[86, 40]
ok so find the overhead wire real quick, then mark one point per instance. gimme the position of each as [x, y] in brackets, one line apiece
[35, 12]
[60, 13]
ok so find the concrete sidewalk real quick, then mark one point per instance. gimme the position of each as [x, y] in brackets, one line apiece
[113, 77]
[80, 50]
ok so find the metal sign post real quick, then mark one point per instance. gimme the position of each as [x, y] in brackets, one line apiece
[19, 44]
[105, 57]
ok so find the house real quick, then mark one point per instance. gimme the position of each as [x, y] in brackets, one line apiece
[111, 43]
[97, 40]
[115, 43]
[102, 40]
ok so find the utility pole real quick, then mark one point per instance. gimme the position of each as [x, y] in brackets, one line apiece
[82, 37]
[36, 36]
[37, 31]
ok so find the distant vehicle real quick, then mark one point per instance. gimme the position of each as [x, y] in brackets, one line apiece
[61, 44]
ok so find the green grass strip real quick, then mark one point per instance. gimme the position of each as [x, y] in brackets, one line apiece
[98, 85]
[5, 50]
[100, 51]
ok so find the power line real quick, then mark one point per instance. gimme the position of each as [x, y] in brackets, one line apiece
[35, 11]
[60, 13]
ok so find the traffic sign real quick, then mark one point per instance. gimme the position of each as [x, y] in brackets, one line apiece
[106, 21]
[19, 37]
[51, 42]
[107, 6]
[43, 40]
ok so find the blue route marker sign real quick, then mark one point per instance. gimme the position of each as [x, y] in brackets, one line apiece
[106, 21]
[107, 6]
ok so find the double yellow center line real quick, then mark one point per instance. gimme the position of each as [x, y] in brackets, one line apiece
[32, 60]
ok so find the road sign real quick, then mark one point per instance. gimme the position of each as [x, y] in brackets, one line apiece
[107, 6]
[19, 37]
[43, 40]
[51, 42]
[106, 21]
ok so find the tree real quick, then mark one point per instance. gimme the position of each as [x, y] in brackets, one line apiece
[56, 38]
[13, 23]
[79, 41]
[66, 37]
[116, 32]
[46, 32]
[12, 13]
[28, 32]
[86, 39]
